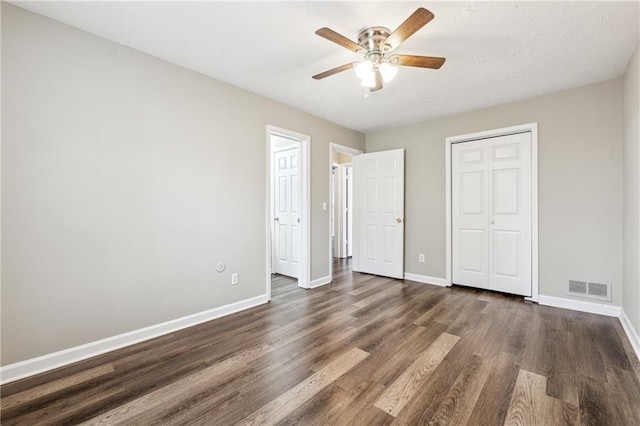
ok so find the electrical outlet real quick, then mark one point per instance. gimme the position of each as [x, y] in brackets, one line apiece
[421, 258]
[234, 278]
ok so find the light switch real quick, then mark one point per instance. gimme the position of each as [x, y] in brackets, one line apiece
[324, 206]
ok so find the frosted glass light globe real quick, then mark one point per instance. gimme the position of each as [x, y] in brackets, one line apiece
[388, 71]
[364, 70]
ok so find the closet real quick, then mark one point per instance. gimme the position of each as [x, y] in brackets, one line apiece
[491, 215]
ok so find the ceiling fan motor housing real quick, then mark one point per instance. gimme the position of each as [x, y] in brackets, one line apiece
[372, 41]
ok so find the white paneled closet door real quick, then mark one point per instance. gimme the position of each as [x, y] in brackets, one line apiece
[491, 213]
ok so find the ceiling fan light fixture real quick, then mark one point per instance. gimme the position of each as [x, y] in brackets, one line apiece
[364, 70]
[388, 71]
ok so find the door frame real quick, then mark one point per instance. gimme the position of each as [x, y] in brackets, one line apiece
[524, 128]
[344, 216]
[339, 215]
[305, 185]
[335, 148]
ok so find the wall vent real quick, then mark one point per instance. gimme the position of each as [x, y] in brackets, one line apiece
[590, 290]
[578, 287]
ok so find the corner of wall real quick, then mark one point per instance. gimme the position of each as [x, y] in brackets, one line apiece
[631, 332]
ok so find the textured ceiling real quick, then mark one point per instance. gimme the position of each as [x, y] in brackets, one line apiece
[496, 52]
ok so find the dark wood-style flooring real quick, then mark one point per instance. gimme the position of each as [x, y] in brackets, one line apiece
[364, 350]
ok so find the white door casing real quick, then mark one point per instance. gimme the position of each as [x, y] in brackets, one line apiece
[342, 198]
[491, 186]
[287, 206]
[348, 211]
[379, 213]
[336, 208]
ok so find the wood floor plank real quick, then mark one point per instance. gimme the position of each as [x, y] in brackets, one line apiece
[527, 400]
[253, 392]
[280, 407]
[493, 403]
[70, 409]
[189, 385]
[593, 407]
[458, 404]
[54, 386]
[563, 373]
[321, 408]
[368, 283]
[361, 410]
[439, 310]
[559, 412]
[394, 288]
[406, 347]
[633, 358]
[416, 306]
[589, 362]
[401, 391]
[428, 398]
[626, 406]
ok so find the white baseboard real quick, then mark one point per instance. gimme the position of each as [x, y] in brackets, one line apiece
[320, 282]
[580, 305]
[29, 367]
[426, 279]
[632, 333]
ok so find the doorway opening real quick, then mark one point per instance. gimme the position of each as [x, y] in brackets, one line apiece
[341, 205]
[287, 212]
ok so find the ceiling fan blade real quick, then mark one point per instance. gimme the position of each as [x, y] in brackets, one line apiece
[417, 61]
[413, 23]
[378, 80]
[335, 70]
[333, 36]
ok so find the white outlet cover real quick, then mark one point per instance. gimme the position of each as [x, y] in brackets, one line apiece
[220, 267]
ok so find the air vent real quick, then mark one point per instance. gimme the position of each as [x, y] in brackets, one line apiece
[590, 290]
[601, 291]
[579, 287]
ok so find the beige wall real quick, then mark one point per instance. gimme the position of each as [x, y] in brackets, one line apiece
[580, 183]
[631, 222]
[125, 179]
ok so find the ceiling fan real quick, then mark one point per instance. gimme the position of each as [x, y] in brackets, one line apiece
[375, 44]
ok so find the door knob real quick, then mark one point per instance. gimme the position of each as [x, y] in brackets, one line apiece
[276, 218]
[493, 221]
[399, 220]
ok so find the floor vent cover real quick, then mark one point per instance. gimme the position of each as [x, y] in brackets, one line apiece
[591, 290]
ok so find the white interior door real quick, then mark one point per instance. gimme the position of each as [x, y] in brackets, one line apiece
[491, 213]
[286, 215]
[379, 213]
[469, 185]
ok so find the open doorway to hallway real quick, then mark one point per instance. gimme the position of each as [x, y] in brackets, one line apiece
[341, 197]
